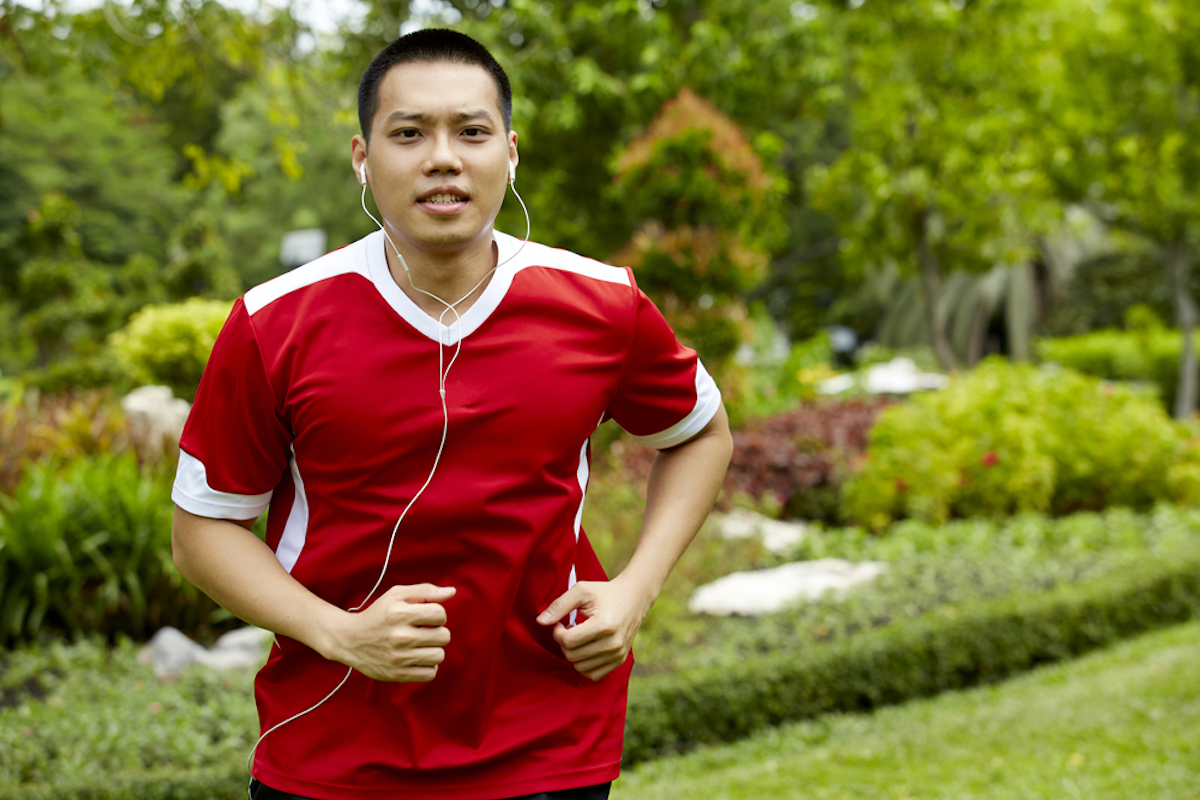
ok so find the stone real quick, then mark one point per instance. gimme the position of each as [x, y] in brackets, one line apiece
[898, 376]
[155, 418]
[170, 651]
[778, 536]
[769, 590]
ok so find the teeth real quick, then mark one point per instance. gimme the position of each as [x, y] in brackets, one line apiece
[443, 198]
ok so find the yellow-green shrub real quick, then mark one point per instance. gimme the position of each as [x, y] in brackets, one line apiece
[1008, 438]
[170, 344]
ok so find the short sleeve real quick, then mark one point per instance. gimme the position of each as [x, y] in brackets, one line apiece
[665, 395]
[234, 448]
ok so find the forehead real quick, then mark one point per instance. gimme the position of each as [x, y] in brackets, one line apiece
[437, 89]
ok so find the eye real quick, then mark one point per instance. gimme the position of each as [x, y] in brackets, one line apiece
[406, 133]
[474, 132]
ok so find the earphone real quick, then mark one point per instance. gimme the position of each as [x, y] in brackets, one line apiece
[443, 372]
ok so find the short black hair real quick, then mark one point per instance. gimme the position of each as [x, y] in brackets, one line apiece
[430, 44]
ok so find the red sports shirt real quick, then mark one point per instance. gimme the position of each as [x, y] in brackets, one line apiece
[321, 401]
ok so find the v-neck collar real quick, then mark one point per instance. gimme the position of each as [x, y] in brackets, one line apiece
[470, 320]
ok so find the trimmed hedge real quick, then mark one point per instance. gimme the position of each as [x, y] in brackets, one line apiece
[950, 649]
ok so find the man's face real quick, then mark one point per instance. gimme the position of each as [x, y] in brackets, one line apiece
[439, 156]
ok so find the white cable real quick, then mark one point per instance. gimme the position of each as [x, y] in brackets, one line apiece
[443, 372]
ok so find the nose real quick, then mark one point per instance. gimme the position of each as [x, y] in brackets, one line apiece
[443, 157]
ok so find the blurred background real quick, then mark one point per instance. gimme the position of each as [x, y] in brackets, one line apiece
[939, 254]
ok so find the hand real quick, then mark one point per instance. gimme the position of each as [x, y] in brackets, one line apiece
[600, 643]
[399, 637]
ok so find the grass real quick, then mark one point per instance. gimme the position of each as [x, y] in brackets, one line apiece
[1122, 723]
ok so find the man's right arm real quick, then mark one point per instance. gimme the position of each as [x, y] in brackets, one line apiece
[401, 636]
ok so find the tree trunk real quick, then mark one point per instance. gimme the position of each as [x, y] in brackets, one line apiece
[1179, 272]
[931, 281]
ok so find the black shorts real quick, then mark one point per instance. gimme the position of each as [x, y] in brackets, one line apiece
[260, 791]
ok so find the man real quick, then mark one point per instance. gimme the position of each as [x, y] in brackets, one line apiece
[443, 626]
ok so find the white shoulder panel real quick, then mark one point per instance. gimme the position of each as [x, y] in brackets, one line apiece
[350, 258]
[708, 400]
[192, 493]
[539, 255]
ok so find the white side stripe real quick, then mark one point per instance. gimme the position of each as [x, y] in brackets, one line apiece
[295, 531]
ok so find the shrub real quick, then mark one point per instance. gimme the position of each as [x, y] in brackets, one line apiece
[956, 648]
[86, 549]
[1008, 438]
[1147, 353]
[793, 463]
[170, 344]
[35, 427]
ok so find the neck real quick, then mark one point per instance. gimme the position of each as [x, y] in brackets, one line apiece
[449, 276]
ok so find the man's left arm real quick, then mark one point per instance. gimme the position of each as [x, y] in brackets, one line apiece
[682, 488]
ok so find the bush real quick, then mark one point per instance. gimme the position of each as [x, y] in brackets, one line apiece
[169, 344]
[86, 549]
[953, 649]
[35, 427]
[1148, 353]
[89, 721]
[791, 464]
[1009, 438]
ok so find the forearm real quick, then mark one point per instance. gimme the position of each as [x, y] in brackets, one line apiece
[238, 571]
[683, 485]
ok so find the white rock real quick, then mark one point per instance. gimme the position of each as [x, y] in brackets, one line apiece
[898, 376]
[155, 416]
[779, 537]
[768, 590]
[171, 651]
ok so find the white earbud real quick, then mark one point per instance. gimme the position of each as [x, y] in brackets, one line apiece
[362, 173]
[512, 172]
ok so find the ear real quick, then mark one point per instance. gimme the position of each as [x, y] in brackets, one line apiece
[358, 159]
[513, 157]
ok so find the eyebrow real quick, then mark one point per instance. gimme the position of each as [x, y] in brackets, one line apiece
[416, 116]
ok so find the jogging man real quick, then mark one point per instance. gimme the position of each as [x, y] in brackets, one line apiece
[414, 409]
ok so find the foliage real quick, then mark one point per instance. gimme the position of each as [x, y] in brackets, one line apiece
[86, 720]
[1148, 353]
[931, 569]
[85, 549]
[1121, 722]
[35, 427]
[942, 169]
[170, 344]
[978, 643]
[801, 458]
[710, 211]
[1123, 142]
[1015, 438]
[1105, 288]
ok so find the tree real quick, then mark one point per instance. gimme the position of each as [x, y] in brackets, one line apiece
[942, 172]
[1128, 119]
[710, 214]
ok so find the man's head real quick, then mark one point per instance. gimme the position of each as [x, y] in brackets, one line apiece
[430, 45]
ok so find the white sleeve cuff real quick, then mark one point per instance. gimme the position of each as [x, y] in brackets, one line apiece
[192, 493]
[708, 400]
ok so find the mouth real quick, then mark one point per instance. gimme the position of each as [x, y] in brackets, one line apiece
[444, 200]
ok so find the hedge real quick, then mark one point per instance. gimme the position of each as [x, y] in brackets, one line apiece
[950, 649]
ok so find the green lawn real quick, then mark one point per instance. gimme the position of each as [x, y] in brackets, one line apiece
[1124, 723]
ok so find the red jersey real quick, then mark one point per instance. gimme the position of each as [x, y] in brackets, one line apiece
[321, 401]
